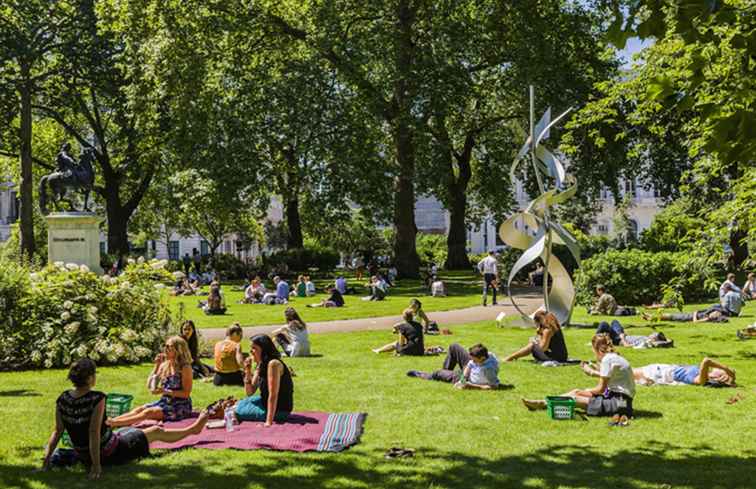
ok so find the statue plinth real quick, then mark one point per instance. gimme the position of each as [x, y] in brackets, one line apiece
[74, 237]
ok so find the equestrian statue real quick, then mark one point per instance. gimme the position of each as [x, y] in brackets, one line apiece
[69, 176]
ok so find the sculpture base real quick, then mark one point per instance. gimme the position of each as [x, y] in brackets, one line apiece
[74, 237]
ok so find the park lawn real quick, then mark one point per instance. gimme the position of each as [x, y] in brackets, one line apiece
[683, 436]
[464, 291]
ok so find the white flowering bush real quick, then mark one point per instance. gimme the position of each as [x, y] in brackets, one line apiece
[65, 312]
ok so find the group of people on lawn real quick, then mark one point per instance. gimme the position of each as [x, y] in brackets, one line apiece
[268, 384]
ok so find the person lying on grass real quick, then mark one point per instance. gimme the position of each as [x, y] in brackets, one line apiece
[708, 373]
[410, 337]
[705, 316]
[81, 412]
[480, 368]
[548, 343]
[617, 333]
[276, 399]
[614, 393]
[747, 333]
[334, 299]
[172, 378]
[293, 338]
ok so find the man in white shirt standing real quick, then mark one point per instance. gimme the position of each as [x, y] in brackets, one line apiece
[487, 266]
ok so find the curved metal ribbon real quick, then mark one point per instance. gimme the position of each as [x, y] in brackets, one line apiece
[528, 231]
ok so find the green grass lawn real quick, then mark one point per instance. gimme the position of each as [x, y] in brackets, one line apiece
[683, 437]
[464, 291]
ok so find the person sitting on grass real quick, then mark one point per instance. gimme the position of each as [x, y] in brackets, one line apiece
[334, 299]
[605, 305]
[410, 339]
[301, 287]
[189, 334]
[705, 316]
[293, 338]
[280, 296]
[81, 413]
[276, 399]
[172, 378]
[418, 315]
[254, 292]
[216, 304]
[731, 302]
[342, 286]
[708, 373]
[378, 289]
[749, 288]
[617, 333]
[728, 285]
[479, 368]
[229, 358]
[548, 343]
[309, 286]
[437, 288]
[614, 393]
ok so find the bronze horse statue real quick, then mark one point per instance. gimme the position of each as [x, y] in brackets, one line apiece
[70, 175]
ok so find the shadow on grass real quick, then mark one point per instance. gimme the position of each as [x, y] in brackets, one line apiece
[19, 393]
[657, 464]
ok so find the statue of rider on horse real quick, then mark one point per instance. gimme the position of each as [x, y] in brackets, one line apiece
[70, 175]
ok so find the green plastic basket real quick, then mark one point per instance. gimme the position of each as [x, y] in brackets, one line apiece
[560, 407]
[115, 405]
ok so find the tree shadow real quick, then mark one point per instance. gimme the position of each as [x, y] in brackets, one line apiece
[656, 464]
[19, 393]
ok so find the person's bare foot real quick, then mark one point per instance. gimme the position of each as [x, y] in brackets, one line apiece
[199, 425]
[376, 350]
[534, 404]
[646, 316]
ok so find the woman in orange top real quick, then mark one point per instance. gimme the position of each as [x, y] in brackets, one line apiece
[229, 358]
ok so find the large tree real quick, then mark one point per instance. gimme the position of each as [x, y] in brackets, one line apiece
[30, 32]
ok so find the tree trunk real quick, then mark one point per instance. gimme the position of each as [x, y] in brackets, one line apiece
[405, 251]
[456, 240]
[26, 186]
[739, 247]
[293, 223]
[118, 220]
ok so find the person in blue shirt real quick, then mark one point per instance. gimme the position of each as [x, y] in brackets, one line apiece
[479, 368]
[282, 288]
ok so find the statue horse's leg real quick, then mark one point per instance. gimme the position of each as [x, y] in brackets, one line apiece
[43, 194]
[86, 199]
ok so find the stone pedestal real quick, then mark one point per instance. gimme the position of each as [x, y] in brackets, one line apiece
[74, 237]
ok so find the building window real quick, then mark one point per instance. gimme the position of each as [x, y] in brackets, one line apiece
[499, 242]
[485, 235]
[603, 228]
[173, 250]
[204, 248]
[630, 187]
[103, 248]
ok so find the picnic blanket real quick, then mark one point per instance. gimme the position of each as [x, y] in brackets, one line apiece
[302, 432]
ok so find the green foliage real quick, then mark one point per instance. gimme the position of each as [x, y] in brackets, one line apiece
[302, 259]
[65, 312]
[675, 228]
[354, 234]
[432, 248]
[637, 277]
[229, 267]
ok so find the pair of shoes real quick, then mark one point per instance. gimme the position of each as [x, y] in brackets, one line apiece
[619, 420]
[741, 335]
[398, 452]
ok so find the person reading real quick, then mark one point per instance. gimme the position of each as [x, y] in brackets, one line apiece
[479, 368]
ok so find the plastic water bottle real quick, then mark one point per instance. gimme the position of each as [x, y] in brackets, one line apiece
[228, 417]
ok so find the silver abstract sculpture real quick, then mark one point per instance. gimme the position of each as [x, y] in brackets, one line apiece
[534, 230]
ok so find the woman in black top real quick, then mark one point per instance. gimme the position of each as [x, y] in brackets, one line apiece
[272, 376]
[81, 412]
[410, 337]
[548, 344]
[189, 333]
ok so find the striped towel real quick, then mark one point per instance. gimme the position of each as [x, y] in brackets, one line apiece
[341, 431]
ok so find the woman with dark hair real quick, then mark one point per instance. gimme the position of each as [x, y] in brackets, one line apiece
[293, 338]
[81, 412]
[189, 333]
[548, 343]
[276, 399]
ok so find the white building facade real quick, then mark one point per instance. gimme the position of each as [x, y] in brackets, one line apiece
[430, 217]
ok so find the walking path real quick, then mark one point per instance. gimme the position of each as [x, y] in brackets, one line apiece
[528, 303]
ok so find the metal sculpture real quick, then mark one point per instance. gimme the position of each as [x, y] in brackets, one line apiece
[70, 175]
[533, 229]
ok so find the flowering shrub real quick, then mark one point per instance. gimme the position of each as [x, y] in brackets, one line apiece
[65, 312]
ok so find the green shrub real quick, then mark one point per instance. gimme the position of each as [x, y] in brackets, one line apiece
[65, 312]
[431, 248]
[229, 266]
[302, 259]
[673, 229]
[637, 277]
